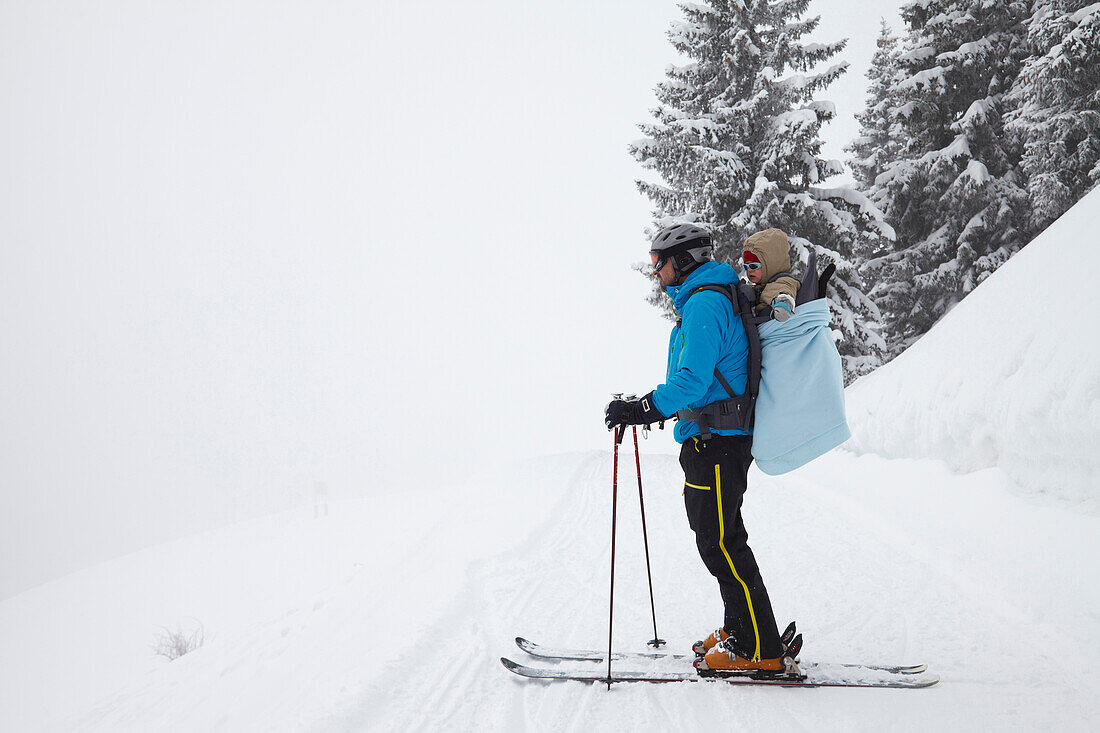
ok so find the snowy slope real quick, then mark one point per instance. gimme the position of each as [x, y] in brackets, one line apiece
[391, 614]
[1010, 377]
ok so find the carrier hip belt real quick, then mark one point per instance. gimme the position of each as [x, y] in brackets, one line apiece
[734, 413]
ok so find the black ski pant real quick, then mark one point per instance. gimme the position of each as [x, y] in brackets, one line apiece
[715, 478]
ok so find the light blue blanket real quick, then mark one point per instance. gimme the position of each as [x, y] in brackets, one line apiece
[800, 410]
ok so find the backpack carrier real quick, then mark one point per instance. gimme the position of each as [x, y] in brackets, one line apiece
[737, 411]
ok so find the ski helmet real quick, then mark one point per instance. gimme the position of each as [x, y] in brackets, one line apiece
[687, 245]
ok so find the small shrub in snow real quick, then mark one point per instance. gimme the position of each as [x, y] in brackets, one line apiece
[173, 644]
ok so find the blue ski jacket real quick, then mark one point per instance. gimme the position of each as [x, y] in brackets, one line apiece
[708, 336]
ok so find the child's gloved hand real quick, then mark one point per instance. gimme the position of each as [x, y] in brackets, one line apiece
[782, 307]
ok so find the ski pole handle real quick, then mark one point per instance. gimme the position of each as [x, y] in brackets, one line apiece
[620, 432]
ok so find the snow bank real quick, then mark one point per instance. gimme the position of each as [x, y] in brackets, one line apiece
[1009, 378]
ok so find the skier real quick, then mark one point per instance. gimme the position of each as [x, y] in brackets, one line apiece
[708, 353]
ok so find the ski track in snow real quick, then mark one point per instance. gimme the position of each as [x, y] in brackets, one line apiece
[878, 560]
[863, 584]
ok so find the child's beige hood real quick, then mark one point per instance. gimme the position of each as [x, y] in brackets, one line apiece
[773, 249]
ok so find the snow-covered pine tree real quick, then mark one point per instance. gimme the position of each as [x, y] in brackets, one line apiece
[954, 196]
[736, 143]
[881, 136]
[1056, 106]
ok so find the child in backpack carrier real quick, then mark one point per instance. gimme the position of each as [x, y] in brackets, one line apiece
[767, 264]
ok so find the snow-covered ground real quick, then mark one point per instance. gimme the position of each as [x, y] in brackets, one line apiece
[391, 613]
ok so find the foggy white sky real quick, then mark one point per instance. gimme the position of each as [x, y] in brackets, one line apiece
[249, 246]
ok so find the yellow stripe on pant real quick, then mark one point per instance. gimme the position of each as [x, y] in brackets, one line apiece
[722, 544]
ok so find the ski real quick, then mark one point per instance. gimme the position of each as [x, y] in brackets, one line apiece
[816, 675]
[585, 655]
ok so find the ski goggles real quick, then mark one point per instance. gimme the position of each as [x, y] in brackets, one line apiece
[657, 261]
[660, 256]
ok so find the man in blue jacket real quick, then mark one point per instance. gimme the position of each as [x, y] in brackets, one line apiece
[709, 346]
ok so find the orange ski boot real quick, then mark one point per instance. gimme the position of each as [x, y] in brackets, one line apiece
[704, 646]
[724, 660]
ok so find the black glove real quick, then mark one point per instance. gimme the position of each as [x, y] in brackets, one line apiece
[631, 412]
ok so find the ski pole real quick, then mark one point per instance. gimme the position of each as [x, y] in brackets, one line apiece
[656, 641]
[614, 511]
